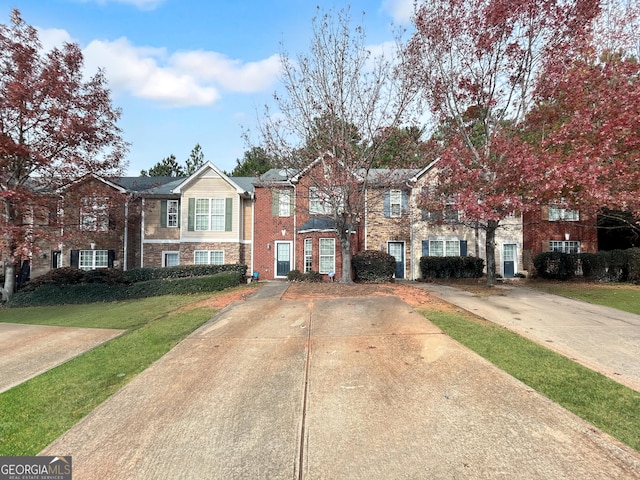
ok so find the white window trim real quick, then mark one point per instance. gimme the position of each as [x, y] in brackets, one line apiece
[169, 252]
[172, 213]
[308, 255]
[395, 200]
[93, 255]
[444, 242]
[284, 203]
[94, 215]
[209, 215]
[564, 246]
[321, 256]
[209, 254]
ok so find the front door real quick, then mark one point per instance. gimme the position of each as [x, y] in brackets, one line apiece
[283, 258]
[509, 251]
[397, 250]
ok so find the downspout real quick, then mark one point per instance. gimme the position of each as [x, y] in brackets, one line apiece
[253, 234]
[126, 234]
[142, 235]
[295, 227]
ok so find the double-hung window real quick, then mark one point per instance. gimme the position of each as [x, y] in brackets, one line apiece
[210, 214]
[94, 214]
[92, 259]
[172, 213]
[568, 246]
[444, 248]
[308, 254]
[327, 255]
[395, 203]
[556, 214]
[208, 257]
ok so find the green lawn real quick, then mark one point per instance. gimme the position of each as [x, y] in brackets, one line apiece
[36, 412]
[608, 405]
[621, 296]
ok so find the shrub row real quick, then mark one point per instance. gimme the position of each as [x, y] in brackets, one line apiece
[110, 276]
[609, 266]
[181, 271]
[61, 294]
[373, 266]
[298, 276]
[451, 267]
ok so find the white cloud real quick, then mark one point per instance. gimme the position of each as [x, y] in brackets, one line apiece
[231, 74]
[140, 72]
[140, 4]
[53, 37]
[400, 10]
[188, 78]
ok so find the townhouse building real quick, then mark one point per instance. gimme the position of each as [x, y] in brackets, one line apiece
[281, 221]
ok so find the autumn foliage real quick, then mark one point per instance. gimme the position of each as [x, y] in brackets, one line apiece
[55, 127]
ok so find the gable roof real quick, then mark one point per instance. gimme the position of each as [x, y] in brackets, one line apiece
[241, 190]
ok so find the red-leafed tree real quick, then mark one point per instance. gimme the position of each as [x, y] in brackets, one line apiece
[55, 127]
[476, 63]
[339, 108]
[586, 122]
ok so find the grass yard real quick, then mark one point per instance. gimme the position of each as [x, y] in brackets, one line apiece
[624, 297]
[36, 412]
[611, 407]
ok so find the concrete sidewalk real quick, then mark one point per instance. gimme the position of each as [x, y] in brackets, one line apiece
[604, 339]
[343, 388]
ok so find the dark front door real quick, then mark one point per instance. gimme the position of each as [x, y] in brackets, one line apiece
[397, 250]
[283, 259]
[509, 260]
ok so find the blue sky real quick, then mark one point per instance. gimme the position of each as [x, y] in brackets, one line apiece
[190, 71]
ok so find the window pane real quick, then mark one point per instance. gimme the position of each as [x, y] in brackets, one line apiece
[101, 259]
[216, 257]
[86, 259]
[284, 203]
[327, 255]
[171, 259]
[201, 257]
[202, 214]
[308, 254]
[436, 248]
[452, 248]
[172, 213]
[217, 214]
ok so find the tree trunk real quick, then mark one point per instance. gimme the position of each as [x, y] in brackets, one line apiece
[345, 250]
[9, 281]
[490, 252]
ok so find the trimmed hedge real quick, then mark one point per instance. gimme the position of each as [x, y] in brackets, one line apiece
[556, 265]
[298, 276]
[181, 271]
[609, 266]
[451, 267]
[373, 266]
[52, 294]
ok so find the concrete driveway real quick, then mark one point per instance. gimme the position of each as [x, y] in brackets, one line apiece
[29, 350]
[337, 389]
[604, 339]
